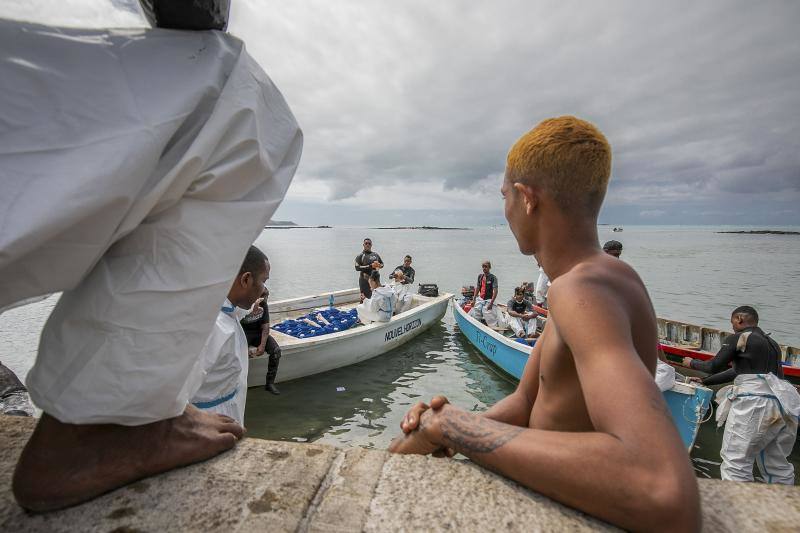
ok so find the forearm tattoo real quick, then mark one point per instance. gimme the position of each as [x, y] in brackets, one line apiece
[467, 432]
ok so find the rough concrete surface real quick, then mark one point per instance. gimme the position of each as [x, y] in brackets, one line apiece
[278, 486]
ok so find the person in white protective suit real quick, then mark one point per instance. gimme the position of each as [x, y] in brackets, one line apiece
[225, 354]
[540, 291]
[483, 307]
[381, 305]
[760, 409]
[402, 291]
[137, 167]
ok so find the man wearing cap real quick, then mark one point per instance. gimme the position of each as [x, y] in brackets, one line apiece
[613, 248]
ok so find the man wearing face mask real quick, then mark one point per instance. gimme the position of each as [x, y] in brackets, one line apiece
[224, 388]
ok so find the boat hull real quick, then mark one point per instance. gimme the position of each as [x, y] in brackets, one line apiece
[680, 339]
[687, 403]
[306, 357]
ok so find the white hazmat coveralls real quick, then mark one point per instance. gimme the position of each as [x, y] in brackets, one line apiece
[224, 388]
[665, 376]
[542, 284]
[404, 296]
[378, 308]
[493, 317]
[760, 415]
[136, 167]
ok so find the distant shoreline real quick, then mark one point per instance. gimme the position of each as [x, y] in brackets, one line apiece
[424, 227]
[763, 232]
[293, 226]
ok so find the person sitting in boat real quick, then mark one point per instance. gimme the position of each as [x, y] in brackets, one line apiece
[613, 248]
[402, 290]
[759, 409]
[259, 340]
[522, 317]
[483, 307]
[587, 425]
[407, 271]
[528, 291]
[367, 262]
[380, 306]
[224, 389]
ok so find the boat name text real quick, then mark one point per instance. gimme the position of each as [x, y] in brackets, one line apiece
[399, 330]
[485, 341]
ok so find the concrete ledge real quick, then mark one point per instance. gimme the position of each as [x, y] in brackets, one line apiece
[277, 486]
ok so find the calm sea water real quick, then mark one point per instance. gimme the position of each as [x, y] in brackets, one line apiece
[693, 274]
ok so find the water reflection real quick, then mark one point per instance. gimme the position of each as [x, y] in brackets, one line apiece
[377, 393]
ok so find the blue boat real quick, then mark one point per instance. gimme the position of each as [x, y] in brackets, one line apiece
[688, 402]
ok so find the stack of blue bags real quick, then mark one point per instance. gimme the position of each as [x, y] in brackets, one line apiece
[338, 321]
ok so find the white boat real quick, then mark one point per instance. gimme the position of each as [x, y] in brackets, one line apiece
[313, 355]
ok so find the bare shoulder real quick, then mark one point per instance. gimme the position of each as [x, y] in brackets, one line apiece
[603, 302]
[600, 277]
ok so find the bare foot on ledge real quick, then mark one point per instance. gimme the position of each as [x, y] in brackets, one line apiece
[67, 464]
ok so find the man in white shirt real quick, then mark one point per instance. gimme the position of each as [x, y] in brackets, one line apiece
[224, 388]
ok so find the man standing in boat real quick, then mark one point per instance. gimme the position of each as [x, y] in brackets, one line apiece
[759, 409]
[574, 430]
[367, 262]
[483, 307]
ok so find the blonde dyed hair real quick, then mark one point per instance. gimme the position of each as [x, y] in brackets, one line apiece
[567, 157]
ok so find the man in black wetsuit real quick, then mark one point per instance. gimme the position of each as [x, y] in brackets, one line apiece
[259, 340]
[405, 268]
[761, 408]
[367, 262]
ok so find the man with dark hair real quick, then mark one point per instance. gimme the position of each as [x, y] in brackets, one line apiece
[225, 356]
[260, 341]
[613, 248]
[570, 431]
[522, 317]
[367, 262]
[760, 409]
[407, 271]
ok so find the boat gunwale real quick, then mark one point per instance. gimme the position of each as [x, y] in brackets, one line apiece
[678, 387]
[523, 348]
[294, 343]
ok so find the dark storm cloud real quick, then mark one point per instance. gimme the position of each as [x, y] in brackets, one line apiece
[697, 99]
[414, 105]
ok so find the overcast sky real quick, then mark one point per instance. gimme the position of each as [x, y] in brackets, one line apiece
[409, 108]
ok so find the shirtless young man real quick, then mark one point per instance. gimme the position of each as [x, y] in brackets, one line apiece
[587, 425]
